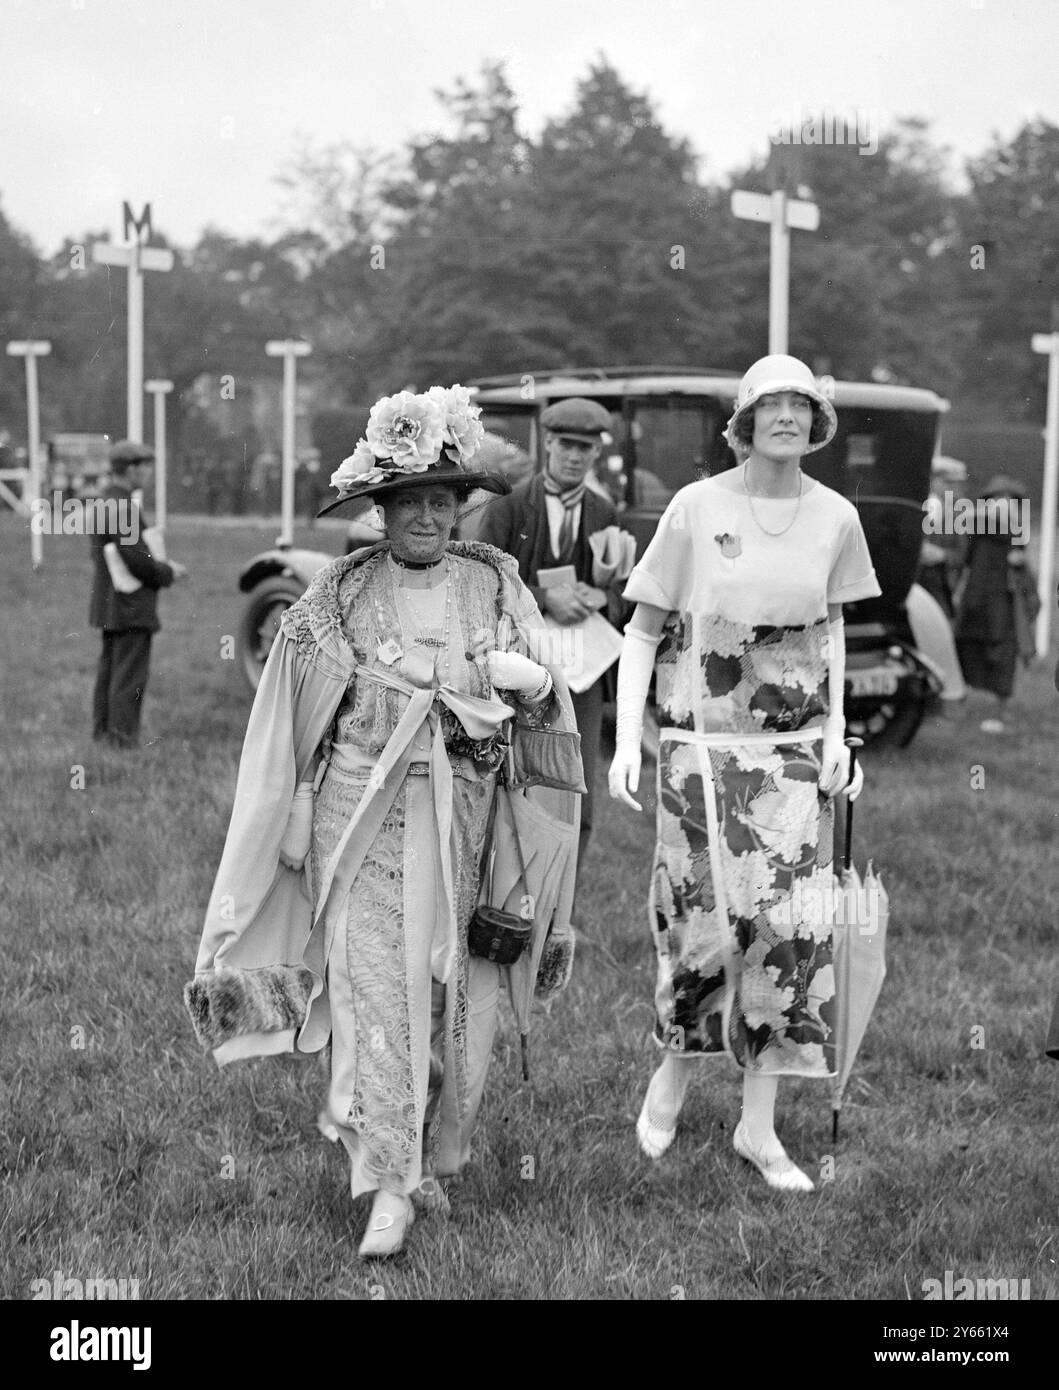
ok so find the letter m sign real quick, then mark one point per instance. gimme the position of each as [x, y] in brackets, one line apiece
[139, 223]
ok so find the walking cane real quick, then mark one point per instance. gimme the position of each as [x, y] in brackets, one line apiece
[847, 859]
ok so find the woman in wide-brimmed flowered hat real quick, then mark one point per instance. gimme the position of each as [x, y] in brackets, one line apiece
[351, 868]
[739, 614]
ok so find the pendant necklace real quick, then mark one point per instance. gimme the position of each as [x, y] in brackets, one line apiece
[750, 504]
[420, 637]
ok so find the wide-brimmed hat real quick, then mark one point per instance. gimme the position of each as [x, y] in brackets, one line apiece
[773, 374]
[424, 439]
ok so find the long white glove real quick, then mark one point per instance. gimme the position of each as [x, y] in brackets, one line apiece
[834, 755]
[298, 836]
[512, 671]
[634, 680]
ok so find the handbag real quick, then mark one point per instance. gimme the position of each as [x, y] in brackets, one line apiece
[497, 935]
[493, 933]
[545, 758]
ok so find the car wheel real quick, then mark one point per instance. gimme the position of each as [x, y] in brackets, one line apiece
[260, 623]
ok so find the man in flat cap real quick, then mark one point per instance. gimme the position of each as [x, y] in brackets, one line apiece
[124, 601]
[545, 523]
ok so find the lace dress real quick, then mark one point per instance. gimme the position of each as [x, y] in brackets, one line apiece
[742, 868]
[399, 1037]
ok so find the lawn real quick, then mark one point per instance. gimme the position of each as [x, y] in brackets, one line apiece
[128, 1154]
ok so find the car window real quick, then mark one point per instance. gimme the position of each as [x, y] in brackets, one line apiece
[676, 441]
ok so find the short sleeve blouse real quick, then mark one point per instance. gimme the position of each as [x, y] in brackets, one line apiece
[711, 556]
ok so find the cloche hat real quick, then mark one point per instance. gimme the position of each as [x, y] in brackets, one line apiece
[414, 440]
[774, 373]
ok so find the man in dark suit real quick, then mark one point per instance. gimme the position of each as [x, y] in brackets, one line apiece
[545, 522]
[128, 620]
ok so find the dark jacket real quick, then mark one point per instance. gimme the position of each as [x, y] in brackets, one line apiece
[123, 612]
[518, 523]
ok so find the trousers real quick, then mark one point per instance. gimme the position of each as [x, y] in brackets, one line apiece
[121, 680]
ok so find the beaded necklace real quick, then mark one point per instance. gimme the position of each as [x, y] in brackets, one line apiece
[750, 504]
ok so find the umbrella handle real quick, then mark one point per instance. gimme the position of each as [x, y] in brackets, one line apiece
[852, 744]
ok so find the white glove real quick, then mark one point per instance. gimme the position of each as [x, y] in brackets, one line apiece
[512, 671]
[298, 836]
[634, 681]
[834, 764]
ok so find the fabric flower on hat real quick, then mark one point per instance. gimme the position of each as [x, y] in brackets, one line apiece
[359, 467]
[464, 431]
[408, 430]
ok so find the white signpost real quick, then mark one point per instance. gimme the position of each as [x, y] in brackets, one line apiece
[289, 349]
[137, 258]
[781, 213]
[159, 389]
[1048, 343]
[31, 349]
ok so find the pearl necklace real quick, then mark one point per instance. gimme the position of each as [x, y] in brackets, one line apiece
[750, 504]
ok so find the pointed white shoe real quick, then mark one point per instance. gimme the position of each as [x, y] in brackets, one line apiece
[653, 1140]
[780, 1173]
[386, 1232]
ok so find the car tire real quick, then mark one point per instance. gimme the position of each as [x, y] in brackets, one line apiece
[259, 623]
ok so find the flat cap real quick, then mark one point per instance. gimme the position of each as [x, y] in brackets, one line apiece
[128, 451]
[581, 418]
[1003, 485]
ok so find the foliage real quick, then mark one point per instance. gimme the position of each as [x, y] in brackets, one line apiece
[479, 249]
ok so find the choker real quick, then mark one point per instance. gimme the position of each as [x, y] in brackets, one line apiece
[415, 564]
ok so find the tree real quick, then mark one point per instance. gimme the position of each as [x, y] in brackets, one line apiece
[1010, 269]
[20, 295]
[873, 291]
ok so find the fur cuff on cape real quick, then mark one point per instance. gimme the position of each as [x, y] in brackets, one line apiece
[232, 1002]
[556, 966]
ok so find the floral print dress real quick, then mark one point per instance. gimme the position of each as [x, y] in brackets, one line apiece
[741, 880]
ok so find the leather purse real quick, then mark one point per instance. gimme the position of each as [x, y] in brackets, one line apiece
[497, 935]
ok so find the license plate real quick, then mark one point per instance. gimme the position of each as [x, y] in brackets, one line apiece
[873, 683]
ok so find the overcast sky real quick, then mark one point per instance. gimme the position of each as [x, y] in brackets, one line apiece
[194, 105]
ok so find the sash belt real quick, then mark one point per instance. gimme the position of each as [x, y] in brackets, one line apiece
[480, 718]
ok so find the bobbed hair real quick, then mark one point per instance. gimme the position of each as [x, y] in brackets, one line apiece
[744, 426]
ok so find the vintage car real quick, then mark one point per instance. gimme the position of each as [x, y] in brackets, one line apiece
[667, 430]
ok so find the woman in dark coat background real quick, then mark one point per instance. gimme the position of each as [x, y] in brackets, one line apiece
[995, 612]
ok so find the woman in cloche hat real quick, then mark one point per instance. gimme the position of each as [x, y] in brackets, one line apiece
[739, 613]
[351, 867]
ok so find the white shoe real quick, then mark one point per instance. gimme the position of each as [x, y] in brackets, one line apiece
[386, 1229]
[779, 1172]
[327, 1127]
[653, 1140]
[992, 726]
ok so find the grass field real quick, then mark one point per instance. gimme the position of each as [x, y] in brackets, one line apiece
[117, 1130]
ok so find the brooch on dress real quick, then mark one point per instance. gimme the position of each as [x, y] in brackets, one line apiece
[730, 545]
